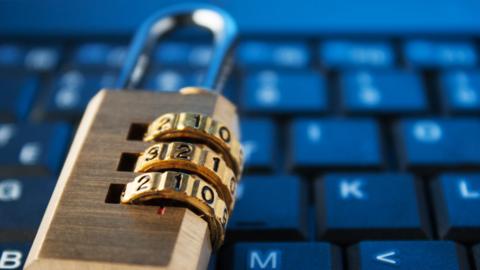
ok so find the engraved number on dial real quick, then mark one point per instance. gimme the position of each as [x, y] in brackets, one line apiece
[183, 151]
[143, 181]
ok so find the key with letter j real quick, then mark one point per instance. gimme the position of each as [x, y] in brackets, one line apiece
[148, 172]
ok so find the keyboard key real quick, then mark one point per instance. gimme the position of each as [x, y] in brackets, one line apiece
[72, 91]
[349, 54]
[284, 92]
[273, 54]
[35, 149]
[22, 204]
[259, 143]
[305, 256]
[407, 255]
[476, 255]
[17, 94]
[279, 216]
[335, 143]
[170, 80]
[353, 207]
[461, 91]
[11, 56]
[183, 54]
[432, 144]
[99, 55]
[457, 206]
[430, 54]
[42, 59]
[383, 92]
[13, 255]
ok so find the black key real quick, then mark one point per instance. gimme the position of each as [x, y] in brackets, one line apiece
[13, 255]
[269, 208]
[258, 141]
[407, 255]
[16, 95]
[352, 207]
[72, 91]
[476, 256]
[34, 149]
[433, 144]
[335, 143]
[457, 205]
[305, 256]
[22, 203]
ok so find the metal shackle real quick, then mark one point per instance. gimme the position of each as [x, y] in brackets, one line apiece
[212, 18]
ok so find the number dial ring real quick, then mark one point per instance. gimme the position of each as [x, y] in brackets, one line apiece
[194, 158]
[190, 189]
[198, 127]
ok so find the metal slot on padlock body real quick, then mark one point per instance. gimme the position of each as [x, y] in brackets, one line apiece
[85, 225]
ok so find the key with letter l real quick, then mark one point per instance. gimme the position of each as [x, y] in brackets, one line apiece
[457, 206]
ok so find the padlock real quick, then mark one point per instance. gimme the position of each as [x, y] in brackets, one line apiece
[150, 179]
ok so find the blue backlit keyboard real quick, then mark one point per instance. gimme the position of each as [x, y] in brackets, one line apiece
[360, 153]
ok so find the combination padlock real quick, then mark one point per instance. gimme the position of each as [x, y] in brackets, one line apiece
[150, 179]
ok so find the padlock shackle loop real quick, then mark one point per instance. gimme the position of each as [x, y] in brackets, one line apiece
[214, 19]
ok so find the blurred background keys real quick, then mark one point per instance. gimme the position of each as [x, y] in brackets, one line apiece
[22, 203]
[383, 92]
[457, 206]
[305, 256]
[183, 54]
[71, 92]
[42, 58]
[17, 94]
[433, 144]
[351, 54]
[11, 56]
[33, 149]
[279, 216]
[99, 55]
[432, 54]
[284, 92]
[407, 255]
[259, 143]
[13, 255]
[330, 143]
[261, 54]
[460, 91]
[352, 207]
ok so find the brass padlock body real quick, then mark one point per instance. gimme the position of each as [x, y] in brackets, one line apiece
[81, 231]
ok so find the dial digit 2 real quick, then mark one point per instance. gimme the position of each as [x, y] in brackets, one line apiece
[162, 123]
[143, 181]
[183, 151]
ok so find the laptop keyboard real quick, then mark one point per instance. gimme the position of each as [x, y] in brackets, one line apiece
[360, 154]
